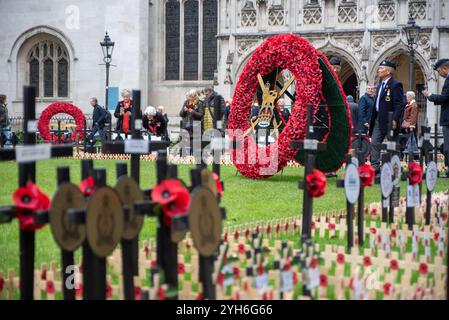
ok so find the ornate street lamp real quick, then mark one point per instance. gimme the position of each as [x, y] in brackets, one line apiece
[411, 31]
[108, 48]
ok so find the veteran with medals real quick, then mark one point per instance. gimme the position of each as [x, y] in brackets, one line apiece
[389, 98]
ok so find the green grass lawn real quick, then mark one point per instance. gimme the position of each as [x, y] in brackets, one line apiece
[245, 200]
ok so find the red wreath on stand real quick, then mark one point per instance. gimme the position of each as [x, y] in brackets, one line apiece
[56, 108]
[290, 52]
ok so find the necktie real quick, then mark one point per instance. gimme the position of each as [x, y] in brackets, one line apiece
[378, 96]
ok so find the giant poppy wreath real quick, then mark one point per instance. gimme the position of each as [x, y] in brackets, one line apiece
[54, 109]
[305, 63]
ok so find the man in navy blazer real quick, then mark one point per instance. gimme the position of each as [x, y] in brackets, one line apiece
[442, 67]
[389, 98]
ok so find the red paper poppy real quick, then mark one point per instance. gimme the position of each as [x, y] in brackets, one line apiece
[316, 183]
[181, 268]
[218, 184]
[367, 261]
[236, 235]
[366, 173]
[387, 287]
[260, 270]
[200, 296]
[225, 237]
[178, 207]
[108, 291]
[372, 230]
[331, 226]
[220, 279]
[415, 173]
[393, 233]
[161, 294]
[241, 248]
[57, 108]
[278, 228]
[26, 199]
[44, 275]
[423, 269]
[286, 227]
[50, 287]
[394, 265]
[340, 258]
[87, 186]
[313, 225]
[137, 293]
[268, 229]
[436, 236]
[236, 272]
[314, 263]
[2, 284]
[287, 265]
[79, 290]
[374, 212]
[295, 278]
[246, 233]
[166, 191]
[323, 280]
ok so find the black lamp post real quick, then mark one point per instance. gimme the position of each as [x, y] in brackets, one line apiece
[412, 32]
[108, 47]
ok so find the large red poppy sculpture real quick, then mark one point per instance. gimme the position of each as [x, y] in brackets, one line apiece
[316, 85]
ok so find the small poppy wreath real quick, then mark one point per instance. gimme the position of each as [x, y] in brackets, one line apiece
[56, 108]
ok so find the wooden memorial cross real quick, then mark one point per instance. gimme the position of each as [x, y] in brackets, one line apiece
[104, 220]
[310, 147]
[135, 146]
[391, 165]
[130, 194]
[69, 237]
[431, 174]
[205, 223]
[361, 199]
[26, 156]
[351, 184]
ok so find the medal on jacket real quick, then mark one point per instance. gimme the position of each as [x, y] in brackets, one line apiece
[388, 98]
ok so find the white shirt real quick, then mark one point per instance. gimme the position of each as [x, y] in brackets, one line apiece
[384, 83]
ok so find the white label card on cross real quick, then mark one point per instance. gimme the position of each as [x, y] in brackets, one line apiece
[36, 152]
[391, 145]
[310, 144]
[138, 124]
[410, 196]
[32, 126]
[427, 136]
[135, 146]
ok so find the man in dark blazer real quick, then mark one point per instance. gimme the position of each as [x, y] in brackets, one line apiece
[389, 98]
[442, 67]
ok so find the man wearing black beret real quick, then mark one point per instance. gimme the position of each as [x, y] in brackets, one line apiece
[442, 67]
[389, 98]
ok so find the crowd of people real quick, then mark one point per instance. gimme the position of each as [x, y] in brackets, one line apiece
[207, 109]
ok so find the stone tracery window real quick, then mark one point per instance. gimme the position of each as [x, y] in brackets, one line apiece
[417, 9]
[48, 69]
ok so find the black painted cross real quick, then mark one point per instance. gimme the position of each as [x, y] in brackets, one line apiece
[310, 147]
[351, 184]
[27, 156]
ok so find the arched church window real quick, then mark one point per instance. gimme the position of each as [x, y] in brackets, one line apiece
[48, 69]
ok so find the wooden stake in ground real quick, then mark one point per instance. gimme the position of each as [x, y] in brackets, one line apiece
[351, 184]
[310, 147]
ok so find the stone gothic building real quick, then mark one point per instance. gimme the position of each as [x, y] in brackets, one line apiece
[166, 47]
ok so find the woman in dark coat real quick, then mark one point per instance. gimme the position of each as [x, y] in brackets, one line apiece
[123, 112]
[154, 123]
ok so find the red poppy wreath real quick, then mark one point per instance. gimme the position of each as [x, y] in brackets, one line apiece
[303, 61]
[54, 109]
